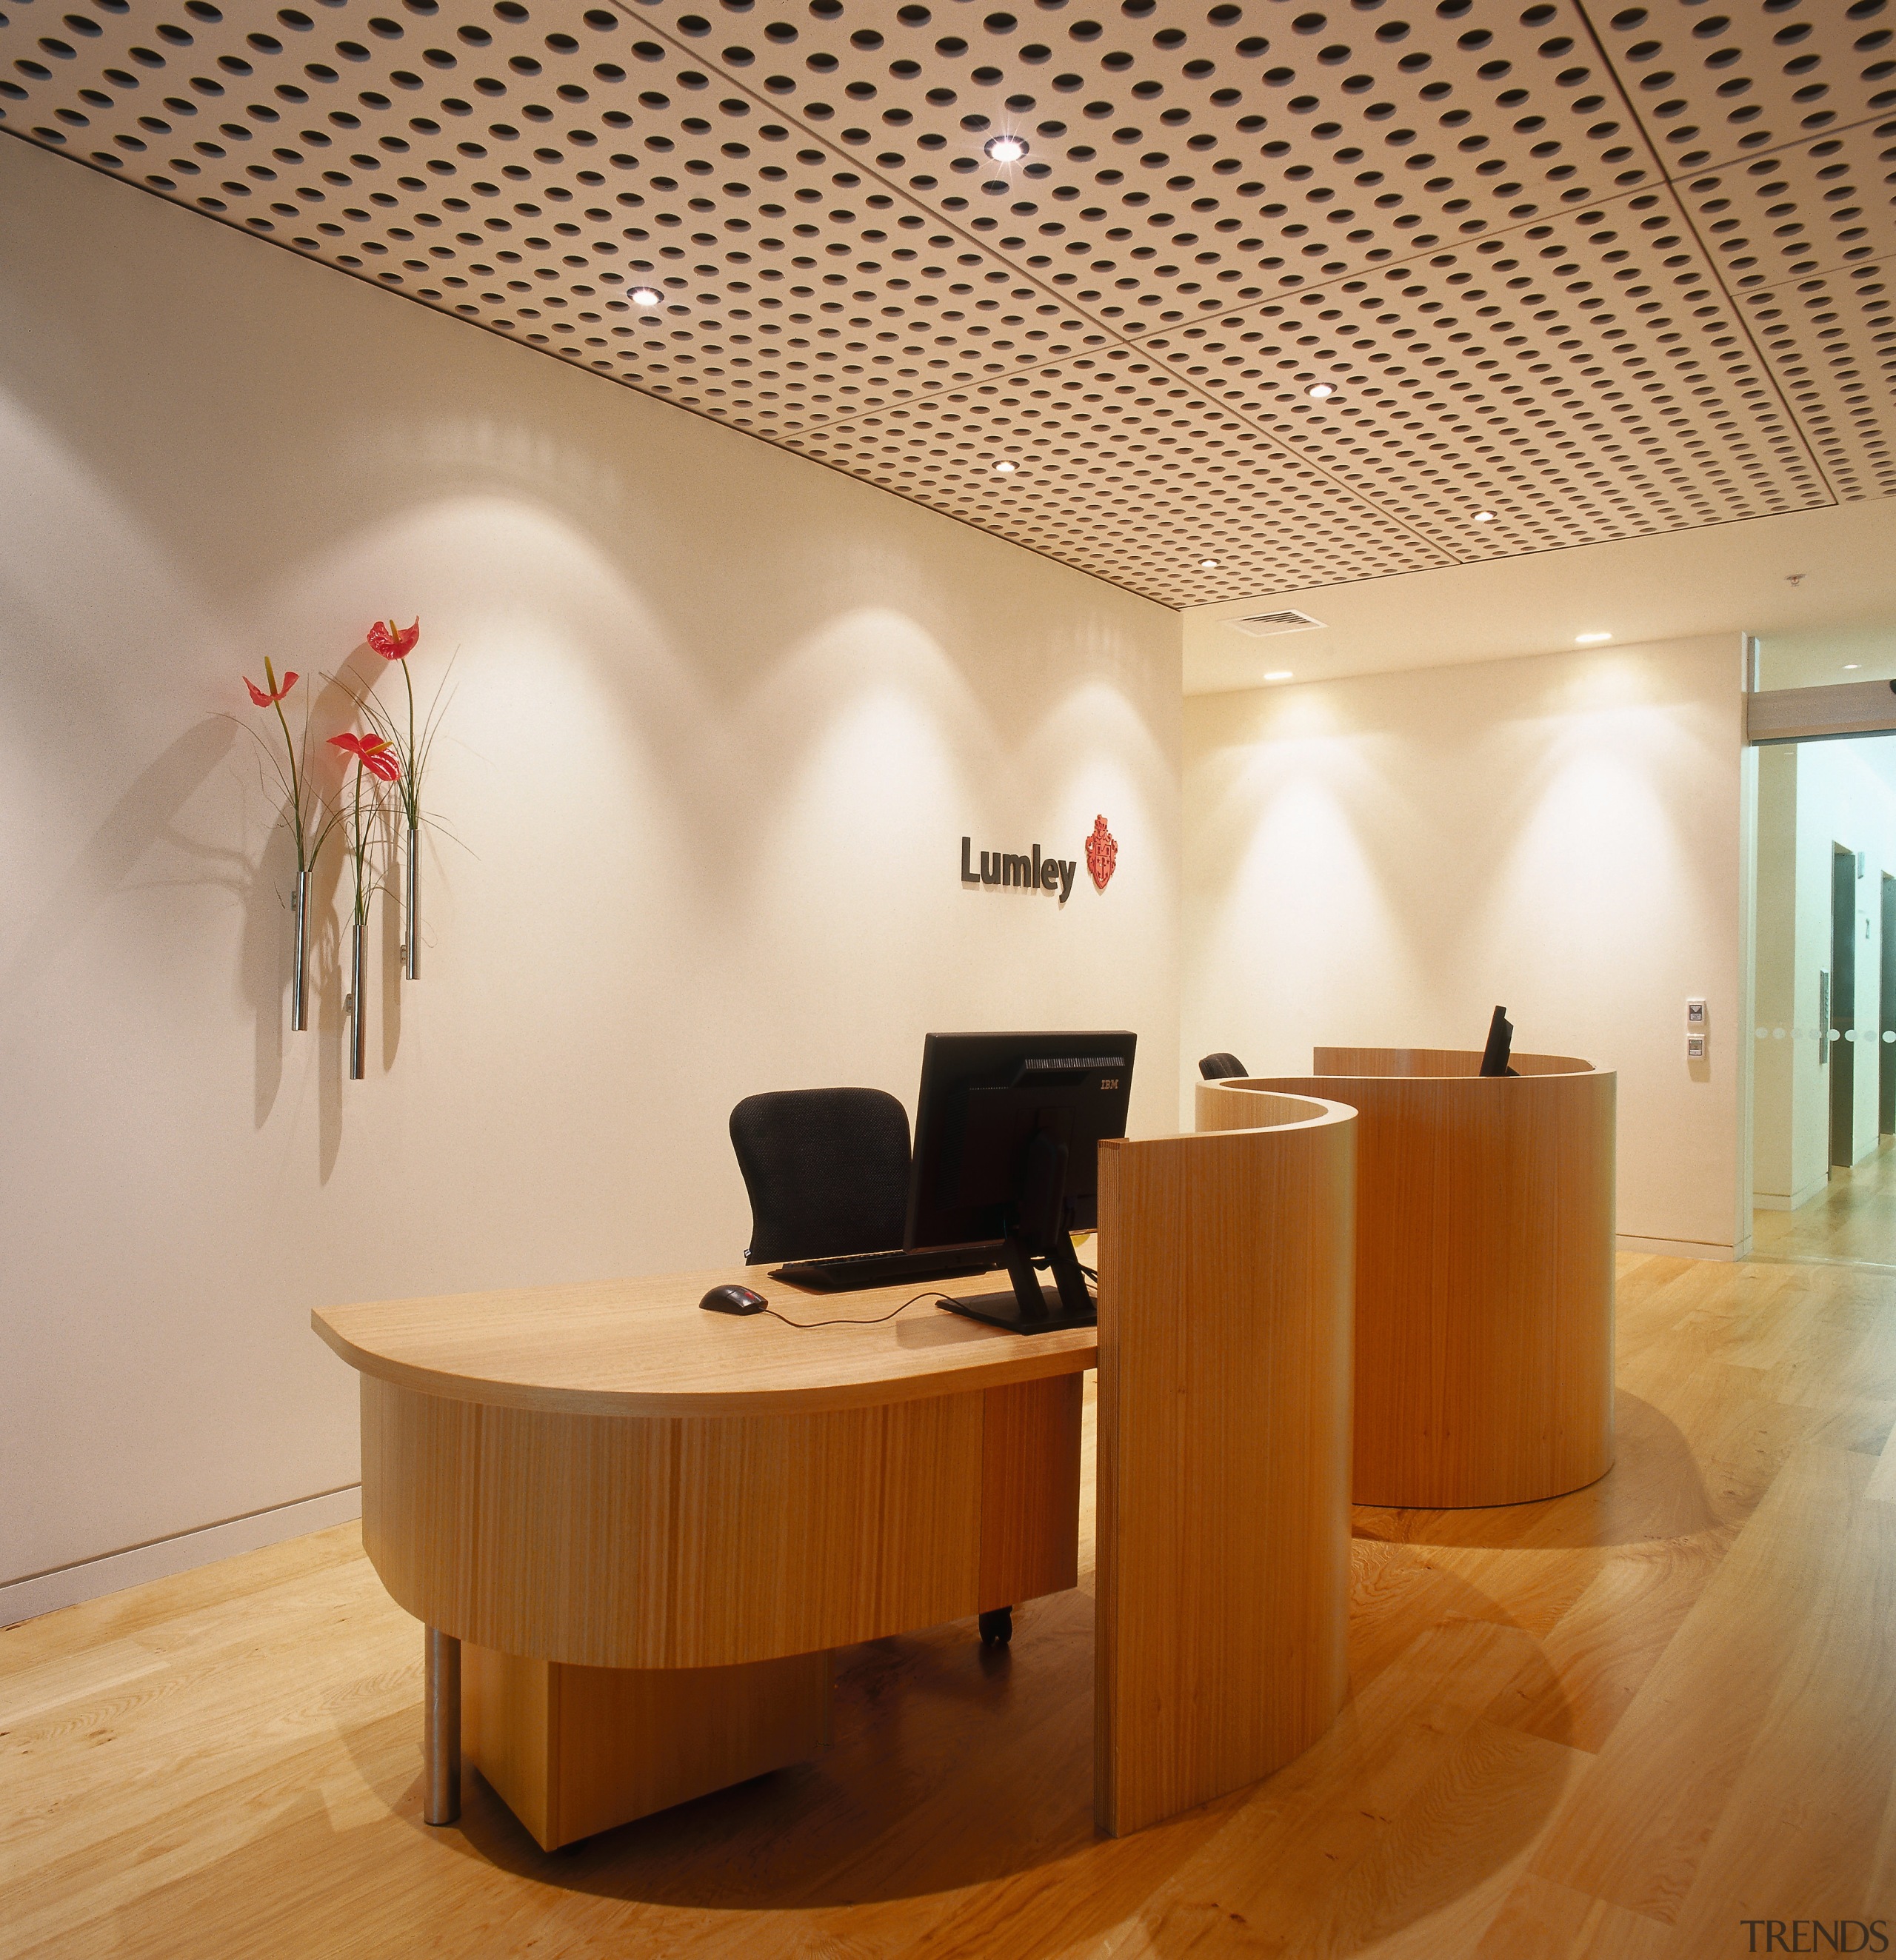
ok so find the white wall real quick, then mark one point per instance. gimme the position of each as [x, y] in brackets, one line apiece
[722, 717]
[1379, 860]
[1813, 797]
[1835, 656]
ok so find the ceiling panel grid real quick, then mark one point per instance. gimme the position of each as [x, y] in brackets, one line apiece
[1583, 374]
[1594, 273]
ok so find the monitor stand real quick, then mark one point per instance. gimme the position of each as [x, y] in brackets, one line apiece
[1030, 1307]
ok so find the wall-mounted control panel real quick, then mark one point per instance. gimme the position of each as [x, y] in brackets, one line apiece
[1695, 1030]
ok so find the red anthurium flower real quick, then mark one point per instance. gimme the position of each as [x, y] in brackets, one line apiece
[393, 642]
[373, 752]
[270, 700]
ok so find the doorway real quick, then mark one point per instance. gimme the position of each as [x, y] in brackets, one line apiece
[1841, 1032]
[1823, 1114]
[1886, 1015]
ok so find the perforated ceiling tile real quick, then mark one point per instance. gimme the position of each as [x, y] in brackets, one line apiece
[1466, 217]
[829, 298]
[1157, 180]
[1158, 177]
[1821, 206]
[1583, 378]
[1831, 341]
[1718, 82]
[1114, 448]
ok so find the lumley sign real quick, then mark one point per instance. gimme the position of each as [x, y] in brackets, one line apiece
[1035, 871]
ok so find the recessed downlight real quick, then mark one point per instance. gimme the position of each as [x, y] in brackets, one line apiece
[1005, 149]
[1004, 468]
[1850, 666]
[1484, 517]
[646, 296]
[1207, 565]
[1319, 391]
[1590, 639]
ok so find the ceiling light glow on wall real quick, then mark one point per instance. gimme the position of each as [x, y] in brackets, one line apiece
[1005, 149]
[646, 296]
[1282, 673]
[1319, 391]
[1590, 639]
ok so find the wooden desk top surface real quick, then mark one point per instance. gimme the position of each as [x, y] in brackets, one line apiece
[643, 1347]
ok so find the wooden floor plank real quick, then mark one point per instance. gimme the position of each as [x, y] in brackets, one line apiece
[1540, 1920]
[1644, 1815]
[1853, 1216]
[1882, 1487]
[1809, 1807]
[1603, 1728]
[1434, 1883]
[1600, 1652]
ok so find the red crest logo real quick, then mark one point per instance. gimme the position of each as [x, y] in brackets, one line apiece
[1102, 852]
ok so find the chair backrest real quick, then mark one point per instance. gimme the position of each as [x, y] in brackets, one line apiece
[1221, 1067]
[827, 1170]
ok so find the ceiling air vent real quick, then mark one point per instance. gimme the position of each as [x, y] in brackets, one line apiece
[1263, 624]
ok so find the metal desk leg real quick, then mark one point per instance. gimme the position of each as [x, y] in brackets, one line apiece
[441, 1727]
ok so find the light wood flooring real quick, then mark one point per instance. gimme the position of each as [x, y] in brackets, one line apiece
[1617, 1724]
[1853, 1217]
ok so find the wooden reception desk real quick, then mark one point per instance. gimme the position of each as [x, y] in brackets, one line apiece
[1484, 1269]
[634, 1529]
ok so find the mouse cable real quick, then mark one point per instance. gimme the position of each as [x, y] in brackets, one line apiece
[850, 1320]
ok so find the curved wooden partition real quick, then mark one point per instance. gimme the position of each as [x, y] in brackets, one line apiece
[1224, 1454]
[1484, 1269]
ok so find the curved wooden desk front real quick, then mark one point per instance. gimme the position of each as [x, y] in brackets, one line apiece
[649, 1523]
[1484, 1270]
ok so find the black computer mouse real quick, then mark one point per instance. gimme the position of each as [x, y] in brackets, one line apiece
[733, 1299]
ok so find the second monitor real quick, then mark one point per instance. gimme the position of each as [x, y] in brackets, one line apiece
[1007, 1134]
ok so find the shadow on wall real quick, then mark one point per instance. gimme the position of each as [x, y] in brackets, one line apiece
[148, 816]
[145, 815]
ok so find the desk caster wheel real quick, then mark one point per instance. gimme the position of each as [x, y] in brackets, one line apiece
[997, 1627]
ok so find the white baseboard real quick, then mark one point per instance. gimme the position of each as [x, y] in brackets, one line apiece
[1676, 1248]
[1766, 1201]
[92, 1578]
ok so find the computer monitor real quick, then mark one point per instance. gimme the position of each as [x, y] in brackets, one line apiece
[1007, 1134]
[1494, 1057]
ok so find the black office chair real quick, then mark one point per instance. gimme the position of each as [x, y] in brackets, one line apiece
[827, 1170]
[1220, 1067]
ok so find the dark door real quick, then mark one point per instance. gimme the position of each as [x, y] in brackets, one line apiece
[1886, 1017]
[1843, 1015]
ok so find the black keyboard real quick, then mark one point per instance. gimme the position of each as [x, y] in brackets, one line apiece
[851, 1272]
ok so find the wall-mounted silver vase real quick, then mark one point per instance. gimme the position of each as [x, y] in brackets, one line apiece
[412, 907]
[357, 998]
[299, 972]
